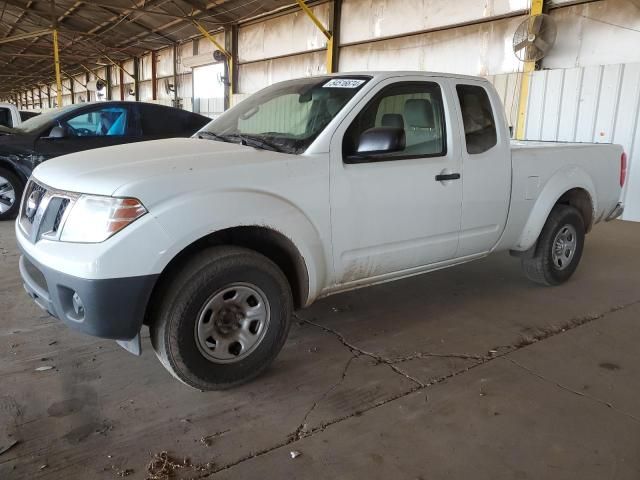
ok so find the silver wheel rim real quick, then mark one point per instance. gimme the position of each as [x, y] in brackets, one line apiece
[7, 195]
[232, 323]
[564, 247]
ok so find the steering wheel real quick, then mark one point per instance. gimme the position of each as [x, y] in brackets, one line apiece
[83, 132]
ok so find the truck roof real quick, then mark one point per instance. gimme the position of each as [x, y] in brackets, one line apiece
[380, 74]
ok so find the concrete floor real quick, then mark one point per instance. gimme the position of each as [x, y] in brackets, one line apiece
[471, 372]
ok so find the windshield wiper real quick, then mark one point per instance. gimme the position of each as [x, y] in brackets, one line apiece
[214, 136]
[258, 142]
[248, 140]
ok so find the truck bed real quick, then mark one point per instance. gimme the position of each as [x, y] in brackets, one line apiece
[539, 166]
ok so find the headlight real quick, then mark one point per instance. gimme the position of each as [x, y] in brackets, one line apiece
[93, 219]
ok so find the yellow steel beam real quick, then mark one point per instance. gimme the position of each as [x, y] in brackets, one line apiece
[119, 67]
[73, 79]
[528, 68]
[228, 55]
[56, 61]
[305, 8]
[314, 19]
[88, 70]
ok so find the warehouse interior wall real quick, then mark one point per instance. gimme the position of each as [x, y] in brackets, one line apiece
[466, 36]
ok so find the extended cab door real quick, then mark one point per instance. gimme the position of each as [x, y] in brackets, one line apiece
[392, 212]
[486, 166]
[95, 127]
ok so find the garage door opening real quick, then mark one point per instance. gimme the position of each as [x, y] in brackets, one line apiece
[208, 90]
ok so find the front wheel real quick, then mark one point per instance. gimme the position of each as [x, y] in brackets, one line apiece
[10, 194]
[559, 248]
[223, 319]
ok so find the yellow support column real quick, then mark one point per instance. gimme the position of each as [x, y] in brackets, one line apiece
[529, 67]
[56, 61]
[324, 31]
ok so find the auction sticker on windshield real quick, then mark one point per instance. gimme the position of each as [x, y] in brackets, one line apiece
[343, 83]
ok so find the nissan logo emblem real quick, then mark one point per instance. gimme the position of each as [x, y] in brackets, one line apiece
[32, 204]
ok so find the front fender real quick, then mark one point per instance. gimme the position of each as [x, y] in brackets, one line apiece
[190, 217]
[562, 181]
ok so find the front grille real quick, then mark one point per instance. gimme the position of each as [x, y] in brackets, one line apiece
[34, 193]
[63, 208]
[43, 211]
[36, 275]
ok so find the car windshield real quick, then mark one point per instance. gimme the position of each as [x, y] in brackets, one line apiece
[285, 117]
[36, 123]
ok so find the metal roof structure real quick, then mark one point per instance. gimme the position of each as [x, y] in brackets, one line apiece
[99, 32]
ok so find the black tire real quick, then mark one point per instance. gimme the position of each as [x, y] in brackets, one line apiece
[541, 267]
[180, 303]
[18, 188]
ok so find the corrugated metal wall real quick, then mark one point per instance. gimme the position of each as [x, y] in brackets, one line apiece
[591, 104]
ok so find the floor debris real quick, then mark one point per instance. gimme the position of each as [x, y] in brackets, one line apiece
[124, 472]
[163, 467]
[44, 368]
[295, 453]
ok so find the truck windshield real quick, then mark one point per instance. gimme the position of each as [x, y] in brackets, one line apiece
[285, 117]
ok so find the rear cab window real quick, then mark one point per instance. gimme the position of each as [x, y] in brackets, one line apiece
[5, 117]
[477, 117]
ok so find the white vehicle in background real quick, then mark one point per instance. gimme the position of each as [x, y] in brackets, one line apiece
[308, 188]
[11, 117]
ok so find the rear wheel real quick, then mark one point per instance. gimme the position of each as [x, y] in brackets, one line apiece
[10, 194]
[559, 248]
[223, 319]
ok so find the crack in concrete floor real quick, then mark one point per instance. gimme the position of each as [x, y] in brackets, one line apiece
[571, 390]
[302, 431]
[507, 349]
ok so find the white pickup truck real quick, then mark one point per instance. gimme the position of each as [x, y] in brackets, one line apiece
[11, 117]
[308, 188]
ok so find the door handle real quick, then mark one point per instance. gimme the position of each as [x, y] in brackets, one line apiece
[447, 176]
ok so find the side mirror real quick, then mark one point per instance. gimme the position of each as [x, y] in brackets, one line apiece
[379, 140]
[57, 132]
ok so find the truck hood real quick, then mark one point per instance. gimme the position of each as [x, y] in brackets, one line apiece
[105, 170]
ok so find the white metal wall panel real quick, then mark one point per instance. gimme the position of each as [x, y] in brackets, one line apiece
[145, 90]
[127, 66]
[205, 45]
[608, 103]
[508, 88]
[596, 104]
[210, 107]
[569, 105]
[284, 35]
[483, 49]
[165, 62]
[596, 33]
[368, 19]
[553, 97]
[184, 50]
[257, 75]
[145, 67]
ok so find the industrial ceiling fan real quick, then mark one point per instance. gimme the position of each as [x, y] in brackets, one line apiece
[534, 38]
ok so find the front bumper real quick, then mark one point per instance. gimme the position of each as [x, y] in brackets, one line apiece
[110, 308]
[616, 212]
